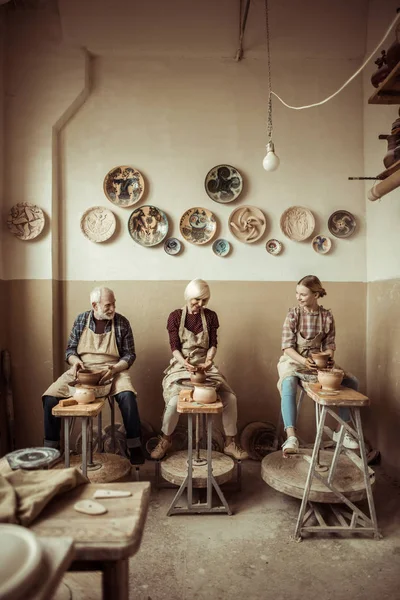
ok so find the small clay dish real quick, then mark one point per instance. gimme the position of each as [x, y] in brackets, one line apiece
[321, 244]
[221, 247]
[274, 247]
[88, 377]
[172, 246]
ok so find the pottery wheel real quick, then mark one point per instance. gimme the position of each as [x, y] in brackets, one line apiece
[288, 475]
[174, 468]
[112, 467]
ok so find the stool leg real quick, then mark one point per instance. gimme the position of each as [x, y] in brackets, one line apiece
[111, 402]
[99, 429]
[197, 437]
[190, 462]
[90, 442]
[209, 461]
[367, 480]
[84, 445]
[66, 442]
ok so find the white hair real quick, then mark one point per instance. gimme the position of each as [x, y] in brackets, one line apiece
[97, 293]
[197, 288]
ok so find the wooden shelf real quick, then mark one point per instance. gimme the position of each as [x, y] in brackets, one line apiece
[388, 91]
[387, 172]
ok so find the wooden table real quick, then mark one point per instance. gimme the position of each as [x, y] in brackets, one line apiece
[102, 542]
[85, 412]
[358, 521]
[186, 405]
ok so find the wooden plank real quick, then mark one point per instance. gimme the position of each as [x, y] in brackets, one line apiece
[388, 92]
[345, 397]
[79, 410]
[116, 534]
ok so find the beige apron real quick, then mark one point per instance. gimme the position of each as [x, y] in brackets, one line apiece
[193, 347]
[96, 351]
[287, 367]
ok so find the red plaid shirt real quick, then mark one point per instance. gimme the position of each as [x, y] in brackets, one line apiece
[192, 323]
[308, 323]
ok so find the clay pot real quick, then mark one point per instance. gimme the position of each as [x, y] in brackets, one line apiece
[84, 396]
[88, 377]
[204, 394]
[330, 379]
[198, 377]
[320, 359]
[382, 71]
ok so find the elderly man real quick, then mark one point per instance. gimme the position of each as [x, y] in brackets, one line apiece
[100, 338]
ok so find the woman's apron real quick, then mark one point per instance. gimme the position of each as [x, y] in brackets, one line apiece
[194, 347]
[97, 351]
[287, 367]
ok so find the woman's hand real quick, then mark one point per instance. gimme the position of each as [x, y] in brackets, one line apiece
[189, 367]
[309, 363]
[205, 365]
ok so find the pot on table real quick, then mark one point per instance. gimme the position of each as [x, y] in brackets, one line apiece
[204, 394]
[330, 379]
[84, 395]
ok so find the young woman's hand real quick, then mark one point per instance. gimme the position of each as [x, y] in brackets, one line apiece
[309, 363]
[189, 367]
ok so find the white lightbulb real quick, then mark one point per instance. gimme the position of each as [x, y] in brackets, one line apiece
[271, 160]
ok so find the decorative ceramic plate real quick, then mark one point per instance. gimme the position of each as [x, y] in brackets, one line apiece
[198, 225]
[172, 246]
[342, 224]
[32, 458]
[247, 224]
[123, 186]
[148, 225]
[297, 223]
[25, 220]
[274, 247]
[223, 183]
[321, 244]
[221, 247]
[98, 224]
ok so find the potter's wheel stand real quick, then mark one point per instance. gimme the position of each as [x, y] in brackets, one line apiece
[337, 478]
[198, 468]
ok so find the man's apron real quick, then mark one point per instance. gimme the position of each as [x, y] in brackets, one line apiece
[97, 351]
[194, 347]
[287, 367]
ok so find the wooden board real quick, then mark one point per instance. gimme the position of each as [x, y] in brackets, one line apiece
[113, 467]
[79, 410]
[115, 535]
[174, 468]
[288, 475]
[345, 397]
[187, 405]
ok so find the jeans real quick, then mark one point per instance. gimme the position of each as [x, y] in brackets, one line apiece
[127, 405]
[288, 403]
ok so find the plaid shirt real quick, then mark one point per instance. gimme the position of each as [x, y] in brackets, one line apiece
[298, 320]
[194, 324]
[123, 336]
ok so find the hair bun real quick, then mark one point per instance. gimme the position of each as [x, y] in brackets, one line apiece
[322, 292]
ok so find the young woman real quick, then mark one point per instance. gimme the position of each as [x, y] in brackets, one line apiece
[308, 328]
[193, 341]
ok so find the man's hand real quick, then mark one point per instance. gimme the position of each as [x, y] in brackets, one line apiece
[107, 375]
[77, 366]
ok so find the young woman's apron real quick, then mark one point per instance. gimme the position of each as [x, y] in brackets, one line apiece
[97, 351]
[287, 367]
[194, 347]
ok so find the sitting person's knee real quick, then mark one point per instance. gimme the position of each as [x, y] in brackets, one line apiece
[50, 401]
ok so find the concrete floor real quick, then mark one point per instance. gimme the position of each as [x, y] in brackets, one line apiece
[251, 555]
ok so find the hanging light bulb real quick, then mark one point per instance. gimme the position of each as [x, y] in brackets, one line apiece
[271, 160]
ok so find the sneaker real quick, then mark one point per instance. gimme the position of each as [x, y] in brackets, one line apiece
[136, 456]
[291, 446]
[161, 449]
[348, 440]
[235, 451]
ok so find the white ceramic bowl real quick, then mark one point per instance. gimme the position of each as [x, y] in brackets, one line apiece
[204, 395]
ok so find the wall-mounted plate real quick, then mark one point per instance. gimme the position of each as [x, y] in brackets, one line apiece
[274, 247]
[124, 186]
[221, 247]
[148, 225]
[247, 224]
[321, 244]
[198, 225]
[25, 220]
[342, 224]
[297, 223]
[98, 224]
[172, 246]
[223, 183]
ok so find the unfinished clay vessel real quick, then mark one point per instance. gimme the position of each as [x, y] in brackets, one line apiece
[330, 379]
[89, 377]
[321, 359]
[198, 377]
[84, 395]
[204, 395]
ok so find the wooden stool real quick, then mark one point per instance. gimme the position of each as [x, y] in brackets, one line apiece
[357, 521]
[196, 475]
[85, 412]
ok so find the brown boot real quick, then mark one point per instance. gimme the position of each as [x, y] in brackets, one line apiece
[161, 449]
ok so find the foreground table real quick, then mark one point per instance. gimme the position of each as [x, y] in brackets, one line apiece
[103, 542]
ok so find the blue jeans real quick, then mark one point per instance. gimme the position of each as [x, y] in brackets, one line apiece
[127, 405]
[288, 403]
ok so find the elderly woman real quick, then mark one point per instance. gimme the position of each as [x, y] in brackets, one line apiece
[307, 328]
[193, 340]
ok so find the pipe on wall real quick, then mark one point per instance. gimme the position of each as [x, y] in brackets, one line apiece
[381, 188]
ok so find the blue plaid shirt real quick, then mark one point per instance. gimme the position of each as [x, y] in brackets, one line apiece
[123, 335]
